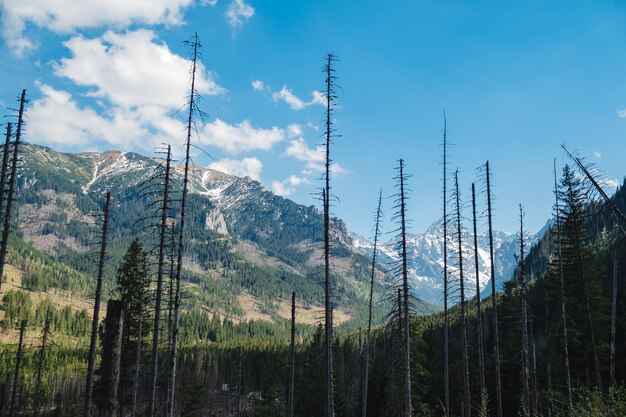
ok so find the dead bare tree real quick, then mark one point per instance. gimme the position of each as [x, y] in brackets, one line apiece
[16, 373]
[159, 289]
[111, 358]
[40, 363]
[613, 318]
[467, 406]
[5, 162]
[368, 336]
[494, 295]
[521, 280]
[138, 345]
[479, 319]
[446, 318]
[195, 46]
[12, 181]
[559, 242]
[400, 217]
[292, 357]
[328, 321]
[533, 369]
[91, 360]
[595, 184]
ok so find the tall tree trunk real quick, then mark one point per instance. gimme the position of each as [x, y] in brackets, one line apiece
[111, 358]
[328, 322]
[568, 379]
[400, 349]
[12, 181]
[446, 318]
[533, 364]
[292, 357]
[195, 44]
[494, 296]
[5, 165]
[159, 290]
[139, 342]
[16, 373]
[42, 358]
[239, 381]
[368, 336]
[406, 366]
[91, 361]
[613, 318]
[467, 404]
[524, 307]
[592, 336]
[170, 303]
[479, 318]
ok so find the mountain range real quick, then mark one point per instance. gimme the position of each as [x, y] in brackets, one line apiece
[246, 248]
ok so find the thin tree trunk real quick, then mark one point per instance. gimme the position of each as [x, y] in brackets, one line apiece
[5, 164]
[494, 296]
[139, 341]
[533, 358]
[159, 290]
[406, 401]
[401, 348]
[522, 284]
[368, 336]
[12, 180]
[239, 372]
[467, 404]
[446, 318]
[568, 379]
[292, 357]
[111, 358]
[170, 313]
[42, 358]
[91, 361]
[16, 374]
[328, 322]
[170, 305]
[181, 232]
[613, 318]
[479, 319]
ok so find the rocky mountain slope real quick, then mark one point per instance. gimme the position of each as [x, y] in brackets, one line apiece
[425, 254]
[246, 248]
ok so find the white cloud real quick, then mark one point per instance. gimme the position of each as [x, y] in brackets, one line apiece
[295, 102]
[237, 12]
[257, 85]
[208, 2]
[241, 137]
[290, 98]
[294, 130]
[313, 157]
[288, 185]
[597, 155]
[611, 183]
[621, 113]
[250, 167]
[132, 69]
[57, 119]
[318, 98]
[64, 16]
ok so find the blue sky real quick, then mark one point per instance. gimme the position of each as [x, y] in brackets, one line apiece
[516, 80]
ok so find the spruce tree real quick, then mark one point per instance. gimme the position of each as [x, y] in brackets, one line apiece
[132, 284]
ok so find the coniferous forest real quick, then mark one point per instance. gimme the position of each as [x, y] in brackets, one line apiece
[130, 297]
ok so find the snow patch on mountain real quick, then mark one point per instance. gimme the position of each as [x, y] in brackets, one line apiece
[426, 263]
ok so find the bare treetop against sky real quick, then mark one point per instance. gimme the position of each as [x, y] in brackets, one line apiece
[516, 82]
